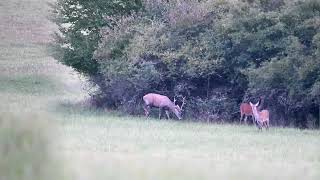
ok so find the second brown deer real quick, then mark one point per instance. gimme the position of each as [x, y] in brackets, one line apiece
[162, 102]
[246, 110]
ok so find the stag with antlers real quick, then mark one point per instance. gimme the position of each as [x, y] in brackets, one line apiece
[162, 102]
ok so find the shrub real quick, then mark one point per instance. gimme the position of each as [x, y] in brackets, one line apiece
[166, 54]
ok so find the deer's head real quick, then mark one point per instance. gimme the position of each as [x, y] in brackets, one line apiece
[178, 109]
[254, 109]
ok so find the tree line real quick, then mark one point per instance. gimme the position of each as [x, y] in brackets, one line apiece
[217, 53]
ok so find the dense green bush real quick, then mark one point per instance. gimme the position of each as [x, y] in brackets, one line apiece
[217, 53]
[166, 53]
[289, 79]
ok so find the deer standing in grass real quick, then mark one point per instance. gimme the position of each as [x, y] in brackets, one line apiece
[261, 117]
[246, 110]
[162, 102]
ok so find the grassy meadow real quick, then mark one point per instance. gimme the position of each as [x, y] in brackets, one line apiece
[47, 132]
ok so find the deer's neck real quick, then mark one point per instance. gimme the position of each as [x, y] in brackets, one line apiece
[171, 107]
[256, 113]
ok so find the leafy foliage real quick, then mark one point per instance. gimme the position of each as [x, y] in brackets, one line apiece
[79, 23]
[294, 72]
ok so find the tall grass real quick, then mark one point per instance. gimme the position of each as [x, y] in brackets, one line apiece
[25, 141]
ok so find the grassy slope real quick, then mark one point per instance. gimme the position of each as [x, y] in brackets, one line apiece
[104, 145]
[29, 78]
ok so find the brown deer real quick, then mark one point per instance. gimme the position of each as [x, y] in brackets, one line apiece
[162, 102]
[246, 110]
[261, 117]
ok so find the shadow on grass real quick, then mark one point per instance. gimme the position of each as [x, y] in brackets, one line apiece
[32, 84]
[83, 108]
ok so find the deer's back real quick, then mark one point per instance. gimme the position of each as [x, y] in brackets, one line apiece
[245, 108]
[264, 114]
[157, 100]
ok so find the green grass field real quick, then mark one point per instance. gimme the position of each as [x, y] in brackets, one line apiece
[91, 144]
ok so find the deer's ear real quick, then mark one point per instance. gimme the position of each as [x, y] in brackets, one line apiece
[257, 103]
[251, 104]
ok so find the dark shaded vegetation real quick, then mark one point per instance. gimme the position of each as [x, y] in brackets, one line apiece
[216, 53]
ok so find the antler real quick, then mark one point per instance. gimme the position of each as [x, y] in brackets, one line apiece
[174, 100]
[183, 102]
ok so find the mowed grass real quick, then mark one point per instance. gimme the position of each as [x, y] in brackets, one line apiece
[93, 144]
[99, 145]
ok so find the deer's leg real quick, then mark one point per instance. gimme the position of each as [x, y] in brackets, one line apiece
[253, 120]
[146, 110]
[267, 124]
[160, 113]
[241, 115]
[260, 125]
[168, 114]
[245, 119]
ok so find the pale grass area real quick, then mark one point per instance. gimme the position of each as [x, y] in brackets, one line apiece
[25, 21]
[104, 145]
[31, 84]
[25, 33]
[99, 147]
